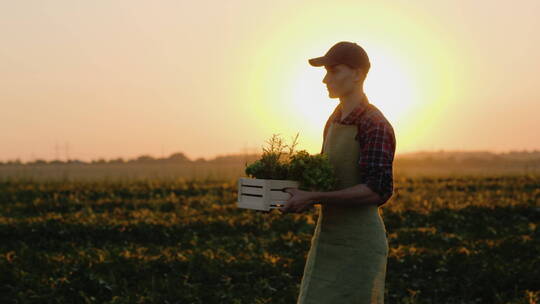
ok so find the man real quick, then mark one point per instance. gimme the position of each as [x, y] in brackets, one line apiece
[347, 259]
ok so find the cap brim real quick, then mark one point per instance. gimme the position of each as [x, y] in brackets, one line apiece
[320, 61]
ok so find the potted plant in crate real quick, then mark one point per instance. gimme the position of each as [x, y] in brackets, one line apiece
[277, 170]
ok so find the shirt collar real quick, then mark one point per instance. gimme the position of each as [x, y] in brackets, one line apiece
[355, 113]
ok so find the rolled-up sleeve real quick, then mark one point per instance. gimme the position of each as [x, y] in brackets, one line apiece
[378, 146]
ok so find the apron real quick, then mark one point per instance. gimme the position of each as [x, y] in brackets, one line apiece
[349, 249]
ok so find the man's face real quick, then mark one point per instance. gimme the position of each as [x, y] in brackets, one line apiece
[340, 80]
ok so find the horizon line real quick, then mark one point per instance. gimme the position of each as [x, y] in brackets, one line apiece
[535, 150]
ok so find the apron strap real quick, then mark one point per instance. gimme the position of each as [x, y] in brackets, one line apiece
[331, 119]
[327, 125]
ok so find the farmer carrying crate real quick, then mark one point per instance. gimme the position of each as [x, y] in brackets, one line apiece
[349, 249]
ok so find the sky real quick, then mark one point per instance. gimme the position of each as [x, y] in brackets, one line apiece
[107, 79]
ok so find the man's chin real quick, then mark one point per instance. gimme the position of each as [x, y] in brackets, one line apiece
[332, 94]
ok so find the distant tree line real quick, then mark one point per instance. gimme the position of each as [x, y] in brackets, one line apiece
[467, 162]
[418, 159]
[470, 159]
[178, 157]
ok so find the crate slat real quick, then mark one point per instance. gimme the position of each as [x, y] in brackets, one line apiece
[259, 194]
[253, 181]
[250, 190]
[279, 196]
[256, 203]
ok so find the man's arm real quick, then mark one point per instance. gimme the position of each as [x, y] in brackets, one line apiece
[358, 194]
[376, 187]
[376, 160]
[301, 200]
[376, 166]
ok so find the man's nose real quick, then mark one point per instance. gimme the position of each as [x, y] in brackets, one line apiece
[325, 79]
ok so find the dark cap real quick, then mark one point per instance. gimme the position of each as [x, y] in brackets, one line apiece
[343, 52]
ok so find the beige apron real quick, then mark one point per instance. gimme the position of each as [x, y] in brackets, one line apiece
[347, 259]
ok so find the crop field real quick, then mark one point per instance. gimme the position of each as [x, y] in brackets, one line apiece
[455, 239]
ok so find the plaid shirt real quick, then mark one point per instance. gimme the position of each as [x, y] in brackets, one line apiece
[377, 146]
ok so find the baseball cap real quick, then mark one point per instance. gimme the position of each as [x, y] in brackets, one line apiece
[343, 52]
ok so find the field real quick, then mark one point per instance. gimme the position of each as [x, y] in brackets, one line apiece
[454, 239]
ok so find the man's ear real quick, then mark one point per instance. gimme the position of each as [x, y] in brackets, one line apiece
[359, 75]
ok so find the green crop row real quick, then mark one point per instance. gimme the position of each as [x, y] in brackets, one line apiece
[452, 240]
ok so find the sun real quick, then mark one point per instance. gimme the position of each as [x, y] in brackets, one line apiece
[389, 86]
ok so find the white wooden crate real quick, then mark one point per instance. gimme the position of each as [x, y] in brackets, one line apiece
[263, 194]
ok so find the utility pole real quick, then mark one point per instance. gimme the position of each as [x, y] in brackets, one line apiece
[67, 150]
[56, 151]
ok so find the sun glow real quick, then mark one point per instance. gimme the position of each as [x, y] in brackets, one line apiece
[411, 79]
[390, 86]
[309, 96]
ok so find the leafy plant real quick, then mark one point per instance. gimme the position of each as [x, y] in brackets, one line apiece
[313, 172]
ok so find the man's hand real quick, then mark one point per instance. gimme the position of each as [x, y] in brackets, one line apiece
[299, 201]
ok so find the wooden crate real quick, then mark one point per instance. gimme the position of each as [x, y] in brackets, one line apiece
[263, 194]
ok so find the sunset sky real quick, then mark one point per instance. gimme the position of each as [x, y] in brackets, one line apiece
[108, 79]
